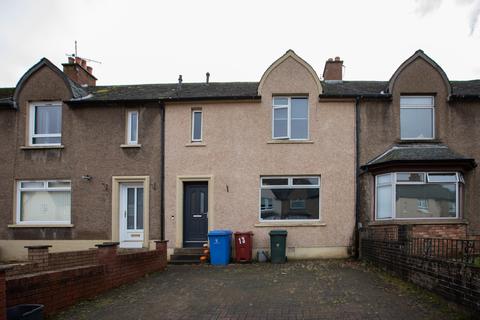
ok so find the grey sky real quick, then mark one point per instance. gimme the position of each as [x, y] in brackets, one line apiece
[155, 41]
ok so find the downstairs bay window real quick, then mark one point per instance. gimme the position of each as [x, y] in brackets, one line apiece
[417, 195]
[289, 198]
[43, 202]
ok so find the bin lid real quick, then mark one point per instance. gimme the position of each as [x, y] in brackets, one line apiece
[278, 232]
[239, 233]
[220, 233]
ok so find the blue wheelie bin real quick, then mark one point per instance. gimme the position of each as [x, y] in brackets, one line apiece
[220, 247]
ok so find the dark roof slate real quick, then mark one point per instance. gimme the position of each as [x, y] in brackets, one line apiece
[6, 97]
[418, 153]
[354, 88]
[172, 91]
[466, 88]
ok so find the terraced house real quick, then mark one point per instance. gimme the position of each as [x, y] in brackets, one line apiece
[316, 157]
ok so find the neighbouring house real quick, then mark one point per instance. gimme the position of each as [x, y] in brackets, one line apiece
[417, 148]
[84, 163]
[75, 174]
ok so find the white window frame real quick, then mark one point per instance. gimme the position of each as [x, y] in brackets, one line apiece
[432, 106]
[423, 204]
[44, 188]
[290, 185]
[289, 117]
[129, 127]
[393, 175]
[31, 124]
[193, 125]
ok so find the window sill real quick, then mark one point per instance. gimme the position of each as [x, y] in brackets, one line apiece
[291, 224]
[196, 144]
[419, 221]
[290, 142]
[41, 147]
[130, 146]
[40, 226]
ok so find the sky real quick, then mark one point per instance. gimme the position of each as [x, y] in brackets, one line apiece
[154, 41]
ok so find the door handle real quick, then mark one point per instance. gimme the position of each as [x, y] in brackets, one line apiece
[125, 213]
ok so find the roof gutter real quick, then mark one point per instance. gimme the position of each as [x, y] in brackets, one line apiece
[163, 100]
[467, 97]
[7, 104]
[222, 98]
[379, 96]
[467, 163]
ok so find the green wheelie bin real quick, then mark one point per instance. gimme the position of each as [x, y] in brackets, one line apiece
[278, 246]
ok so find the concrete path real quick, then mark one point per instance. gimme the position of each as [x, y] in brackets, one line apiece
[338, 289]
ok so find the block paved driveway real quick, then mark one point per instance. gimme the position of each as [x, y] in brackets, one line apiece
[334, 289]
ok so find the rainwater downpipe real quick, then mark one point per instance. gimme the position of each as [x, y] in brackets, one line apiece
[162, 171]
[357, 177]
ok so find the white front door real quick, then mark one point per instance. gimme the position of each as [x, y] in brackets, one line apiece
[131, 215]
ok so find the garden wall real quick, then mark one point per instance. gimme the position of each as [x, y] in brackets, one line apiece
[58, 280]
[451, 268]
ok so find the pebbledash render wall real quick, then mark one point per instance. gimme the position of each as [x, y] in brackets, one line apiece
[455, 126]
[92, 136]
[237, 150]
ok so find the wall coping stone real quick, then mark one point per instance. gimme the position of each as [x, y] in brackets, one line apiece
[107, 244]
[38, 247]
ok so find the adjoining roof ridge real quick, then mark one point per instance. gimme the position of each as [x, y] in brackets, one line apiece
[173, 83]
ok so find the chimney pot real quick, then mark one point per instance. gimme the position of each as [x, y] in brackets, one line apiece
[208, 77]
[337, 58]
[180, 80]
[83, 76]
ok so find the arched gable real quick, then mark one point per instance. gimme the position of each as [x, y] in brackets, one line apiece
[289, 54]
[44, 62]
[419, 54]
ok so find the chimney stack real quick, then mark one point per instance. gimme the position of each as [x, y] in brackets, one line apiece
[333, 70]
[77, 70]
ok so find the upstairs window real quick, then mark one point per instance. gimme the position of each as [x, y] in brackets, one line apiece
[417, 118]
[45, 127]
[132, 131]
[417, 195]
[290, 118]
[197, 119]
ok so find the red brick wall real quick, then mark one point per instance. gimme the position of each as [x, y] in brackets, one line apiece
[392, 232]
[3, 298]
[57, 289]
[59, 260]
[449, 231]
